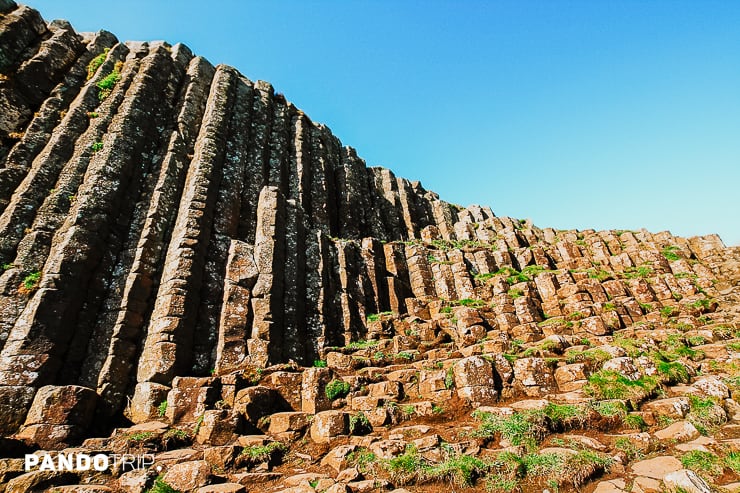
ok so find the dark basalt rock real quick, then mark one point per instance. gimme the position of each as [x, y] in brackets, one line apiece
[180, 244]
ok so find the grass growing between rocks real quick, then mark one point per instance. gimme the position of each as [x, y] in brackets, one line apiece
[590, 356]
[30, 283]
[141, 437]
[468, 302]
[362, 344]
[273, 452]
[546, 346]
[336, 389]
[528, 428]
[175, 437]
[161, 487]
[629, 448]
[584, 464]
[95, 63]
[703, 463]
[732, 461]
[634, 347]
[407, 467]
[611, 409]
[641, 272]
[553, 469]
[457, 469]
[513, 276]
[374, 317]
[674, 347]
[359, 424]
[705, 414]
[673, 371]
[635, 422]
[449, 379]
[363, 460]
[609, 384]
[600, 274]
[107, 83]
[709, 464]
[669, 253]
[515, 293]
[566, 416]
[506, 473]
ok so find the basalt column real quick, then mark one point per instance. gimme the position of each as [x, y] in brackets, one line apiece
[162, 218]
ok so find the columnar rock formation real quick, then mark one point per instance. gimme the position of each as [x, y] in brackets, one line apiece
[189, 220]
[167, 227]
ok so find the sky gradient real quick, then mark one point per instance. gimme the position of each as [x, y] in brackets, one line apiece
[576, 114]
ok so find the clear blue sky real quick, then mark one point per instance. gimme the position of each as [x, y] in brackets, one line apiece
[576, 114]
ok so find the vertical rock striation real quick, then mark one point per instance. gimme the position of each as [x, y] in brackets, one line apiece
[162, 218]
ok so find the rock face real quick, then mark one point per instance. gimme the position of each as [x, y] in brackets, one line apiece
[59, 414]
[185, 250]
[185, 221]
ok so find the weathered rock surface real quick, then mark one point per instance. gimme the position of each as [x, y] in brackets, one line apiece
[193, 269]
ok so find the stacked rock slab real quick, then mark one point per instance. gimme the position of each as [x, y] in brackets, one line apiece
[123, 208]
[195, 222]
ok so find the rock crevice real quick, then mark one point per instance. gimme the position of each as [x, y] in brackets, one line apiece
[185, 249]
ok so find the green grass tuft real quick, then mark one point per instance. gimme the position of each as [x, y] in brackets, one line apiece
[95, 63]
[359, 424]
[673, 371]
[526, 428]
[363, 460]
[162, 408]
[406, 467]
[515, 293]
[362, 344]
[638, 272]
[593, 356]
[31, 281]
[629, 448]
[705, 414]
[449, 379]
[107, 83]
[566, 415]
[609, 384]
[702, 462]
[635, 422]
[460, 470]
[669, 253]
[336, 389]
[609, 409]
[732, 460]
[161, 487]
[374, 317]
[262, 453]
